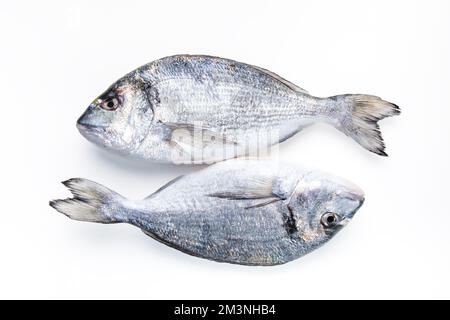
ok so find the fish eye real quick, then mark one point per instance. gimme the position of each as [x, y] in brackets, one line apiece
[329, 219]
[110, 104]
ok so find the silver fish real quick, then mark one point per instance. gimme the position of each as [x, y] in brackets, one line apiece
[202, 109]
[250, 212]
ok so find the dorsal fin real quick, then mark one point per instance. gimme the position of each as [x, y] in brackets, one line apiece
[282, 80]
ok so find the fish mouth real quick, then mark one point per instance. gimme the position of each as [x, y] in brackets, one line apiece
[361, 202]
[90, 120]
[349, 217]
[85, 123]
[83, 128]
[345, 220]
[90, 132]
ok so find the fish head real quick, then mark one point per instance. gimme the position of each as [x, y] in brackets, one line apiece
[322, 205]
[120, 118]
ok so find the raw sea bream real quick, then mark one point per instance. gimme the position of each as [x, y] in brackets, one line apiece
[202, 109]
[250, 212]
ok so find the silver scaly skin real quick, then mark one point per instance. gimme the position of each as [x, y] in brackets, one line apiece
[250, 212]
[155, 111]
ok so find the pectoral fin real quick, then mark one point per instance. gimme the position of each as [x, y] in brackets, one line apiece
[164, 187]
[188, 137]
[255, 189]
[265, 203]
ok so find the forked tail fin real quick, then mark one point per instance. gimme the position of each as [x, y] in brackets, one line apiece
[361, 121]
[91, 201]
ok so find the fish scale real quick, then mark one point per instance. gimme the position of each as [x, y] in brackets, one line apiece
[213, 109]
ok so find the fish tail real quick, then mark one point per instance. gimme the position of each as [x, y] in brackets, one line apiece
[90, 202]
[361, 116]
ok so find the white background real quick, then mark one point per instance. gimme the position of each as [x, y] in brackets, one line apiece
[56, 57]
